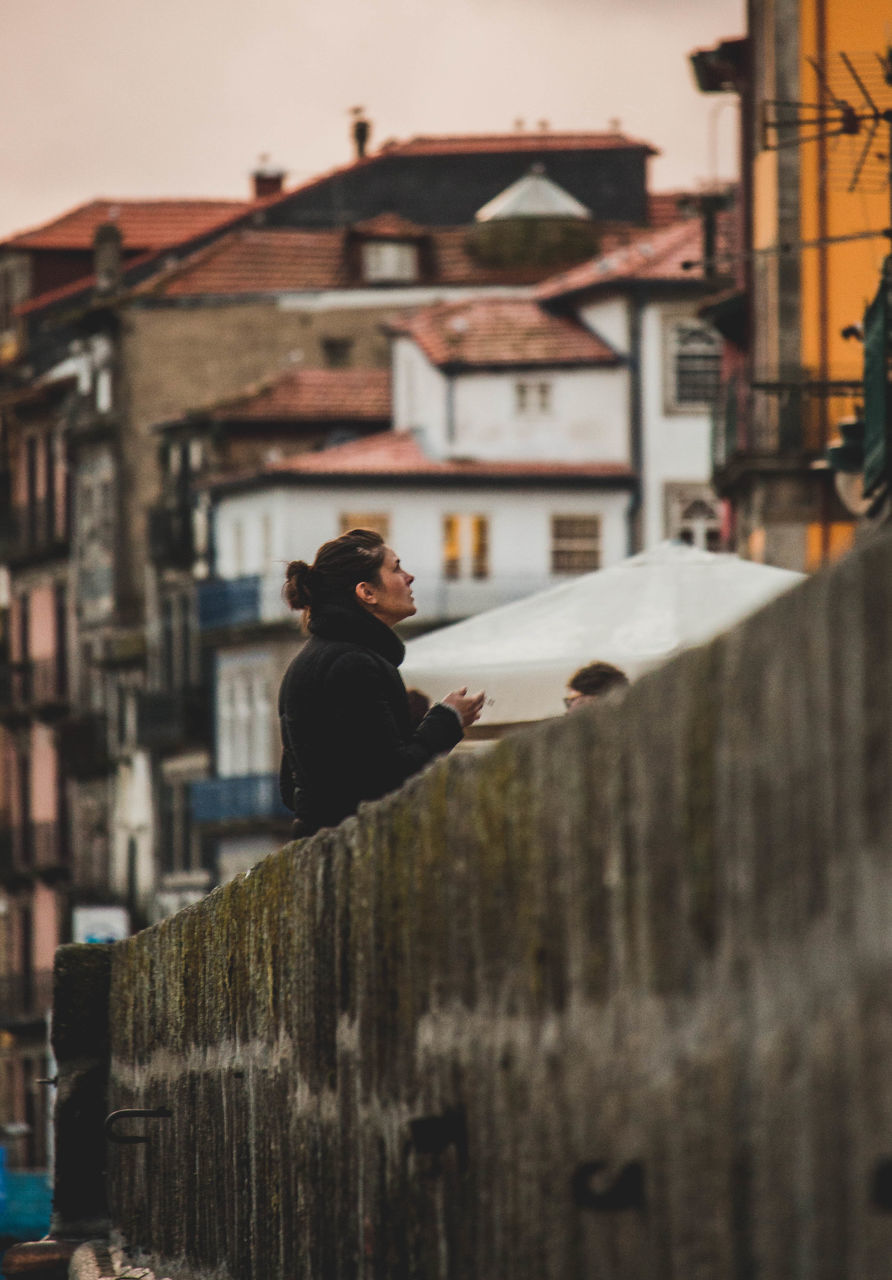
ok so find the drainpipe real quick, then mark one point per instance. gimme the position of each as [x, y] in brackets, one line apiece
[450, 409]
[636, 443]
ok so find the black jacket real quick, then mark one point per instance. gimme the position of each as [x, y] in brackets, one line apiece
[344, 717]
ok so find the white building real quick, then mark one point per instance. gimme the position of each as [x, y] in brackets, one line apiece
[643, 299]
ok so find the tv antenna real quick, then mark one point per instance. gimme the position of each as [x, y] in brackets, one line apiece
[854, 101]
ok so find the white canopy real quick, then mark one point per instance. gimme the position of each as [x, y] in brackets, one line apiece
[635, 615]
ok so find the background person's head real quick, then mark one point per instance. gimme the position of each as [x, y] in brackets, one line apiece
[355, 569]
[591, 682]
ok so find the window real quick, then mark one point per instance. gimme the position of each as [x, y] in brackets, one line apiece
[451, 548]
[692, 515]
[389, 261]
[336, 352]
[694, 364]
[465, 547]
[575, 544]
[532, 397]
[379, 521]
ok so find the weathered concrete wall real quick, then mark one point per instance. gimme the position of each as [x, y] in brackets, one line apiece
[612, 1001]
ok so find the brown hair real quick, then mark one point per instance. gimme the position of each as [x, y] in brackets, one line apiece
[356, 556]
[597, 678]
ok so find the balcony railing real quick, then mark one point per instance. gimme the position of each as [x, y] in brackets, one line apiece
[170, 535]
[25, 996]
[787, 418]
[240, 602]
[254, 796]
[83, 746]
[166, 720]
[37, 528]
[38, 683]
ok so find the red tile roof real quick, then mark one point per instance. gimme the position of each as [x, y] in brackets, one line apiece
[397, 454]
[313, 394]
[144, 224]
[388, 225]
[288, 260]
[469, 143]
[657, 256]
[488, 332]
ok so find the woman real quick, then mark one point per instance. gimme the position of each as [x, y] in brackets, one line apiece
[347, 734]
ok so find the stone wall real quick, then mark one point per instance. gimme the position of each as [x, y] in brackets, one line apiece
[611, 1001]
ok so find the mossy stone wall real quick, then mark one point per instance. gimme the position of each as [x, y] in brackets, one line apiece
[611, 1001]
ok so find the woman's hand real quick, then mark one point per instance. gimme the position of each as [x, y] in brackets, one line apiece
[467, 705]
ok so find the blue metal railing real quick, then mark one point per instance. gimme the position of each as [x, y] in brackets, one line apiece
[231, 799]
[228, 602]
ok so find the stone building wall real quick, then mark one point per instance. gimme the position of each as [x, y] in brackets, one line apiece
[610, 1001]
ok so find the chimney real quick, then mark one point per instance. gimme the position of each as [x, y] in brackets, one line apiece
[360, 131]
[267, 179]
[107, 257]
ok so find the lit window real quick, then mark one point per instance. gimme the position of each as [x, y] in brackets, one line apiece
[451, 547]
[389, 261]
[465, 547]
[694, 364]
[377, 521]
[575, 544]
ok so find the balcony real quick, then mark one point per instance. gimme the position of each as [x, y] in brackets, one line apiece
[241, 602]
[83, 746]
[25, 997]
[170, 535]
[38, 685]
[37, 530]
[785, 420]
[166, 721]
[254, 797]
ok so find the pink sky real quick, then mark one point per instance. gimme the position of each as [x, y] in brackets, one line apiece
[180, 97]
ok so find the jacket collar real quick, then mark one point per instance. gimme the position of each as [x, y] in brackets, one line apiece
[352, 622]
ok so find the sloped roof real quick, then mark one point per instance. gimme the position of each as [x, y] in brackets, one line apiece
[469, 143]
[144, 224]
[488, 332]
[312, 394]
[398, 454]
[288, 260]
[659, 256]
[533, 196]
[388, 226]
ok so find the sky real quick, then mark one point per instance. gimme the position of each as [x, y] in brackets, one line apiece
[179, 98]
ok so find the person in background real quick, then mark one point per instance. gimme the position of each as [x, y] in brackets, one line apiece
[347, 734]
[591, 683]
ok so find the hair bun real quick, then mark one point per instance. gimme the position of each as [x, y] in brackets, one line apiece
[298, 590]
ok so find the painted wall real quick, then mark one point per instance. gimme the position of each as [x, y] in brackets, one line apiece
[676, 443]
[476, 415]
[292, 522]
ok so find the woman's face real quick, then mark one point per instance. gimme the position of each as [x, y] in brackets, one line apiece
[390, 598]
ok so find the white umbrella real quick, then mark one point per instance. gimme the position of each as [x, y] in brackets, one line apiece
[634, 614]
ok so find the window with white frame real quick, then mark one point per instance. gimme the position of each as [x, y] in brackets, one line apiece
[532, 397]
[575, 544]
[693, 364]
[465, 547]
[245, 711]
[692, 515]
[389, 261]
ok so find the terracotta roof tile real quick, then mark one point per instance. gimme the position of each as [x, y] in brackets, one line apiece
[502, 331]
[658, 256]
[465, 144]
[397, 453]
[387, 225]
[144, 224]
[287, 260]
[313, 394]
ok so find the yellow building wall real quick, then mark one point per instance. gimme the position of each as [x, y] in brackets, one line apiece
[853, 268]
